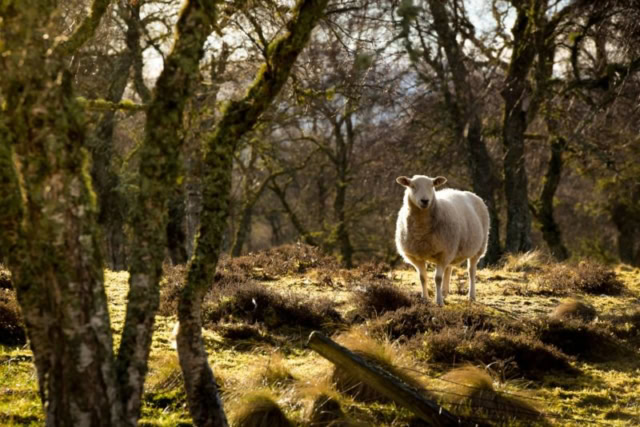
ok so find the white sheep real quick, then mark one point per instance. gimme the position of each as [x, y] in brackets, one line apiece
[444, 227]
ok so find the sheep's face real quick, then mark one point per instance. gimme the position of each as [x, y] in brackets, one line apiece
[421, 189]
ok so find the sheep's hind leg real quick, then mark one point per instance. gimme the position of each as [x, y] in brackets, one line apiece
[445, 281]
[472, 263]
[438, 278]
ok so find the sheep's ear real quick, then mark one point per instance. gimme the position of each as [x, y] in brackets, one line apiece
[404, 181]
[439, 181]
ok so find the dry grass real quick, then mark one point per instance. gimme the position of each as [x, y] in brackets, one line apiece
[423, 316]
[528, 262]
[258, 409]
[276, 373]
[381, 354]
[253, 302]
[375, 299]
[470, 389]
[574, 309]
[519, 355]
[586, 341]
[327, 411]
[11, 325]
[586, 277]
[280, 261]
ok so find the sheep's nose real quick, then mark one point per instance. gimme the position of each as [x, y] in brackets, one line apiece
[425, 202]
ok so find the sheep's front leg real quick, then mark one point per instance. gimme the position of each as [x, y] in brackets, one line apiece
[445, 281]
[438, 278]
[422, 273]
[472, 264]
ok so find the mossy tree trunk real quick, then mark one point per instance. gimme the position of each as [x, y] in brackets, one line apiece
[157, 178]
[238, 118]
[48, 217]
[463, 104]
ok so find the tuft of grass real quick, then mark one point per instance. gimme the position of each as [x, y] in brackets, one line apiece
[280, 261]
[376, 299]
[12, 330]
[368, 272]
[327, 411]
[252, 302]
[470, 391]
[518, 354]
[527, 262]
[574, 309]
[587, 277]
[585, 341]
[276, 373]
[259, 409]
[381, 354]
[422, 317]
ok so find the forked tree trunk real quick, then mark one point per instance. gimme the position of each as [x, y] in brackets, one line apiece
[238, 118]
[156, 180]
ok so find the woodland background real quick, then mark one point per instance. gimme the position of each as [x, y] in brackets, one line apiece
[386, 89]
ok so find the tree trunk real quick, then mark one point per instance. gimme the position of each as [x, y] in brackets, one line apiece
[516, 95]
[48, 217]
[243, 230]
[238, 118]
[157, 178]
[176, 235]
[464, 104]
[543, 209]
[626, 221]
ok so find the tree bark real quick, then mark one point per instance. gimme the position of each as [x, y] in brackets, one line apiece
[517, 96]
[158, 174]
[176, 235]
[49, 212]
[626, 220]
[543, 209]
[469, 130]
[238, 118]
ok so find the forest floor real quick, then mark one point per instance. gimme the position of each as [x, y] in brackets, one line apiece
[579, 365]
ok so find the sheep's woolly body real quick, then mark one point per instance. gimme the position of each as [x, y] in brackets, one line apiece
[452, 227]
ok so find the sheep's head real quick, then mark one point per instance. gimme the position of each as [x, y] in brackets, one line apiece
[421, 189]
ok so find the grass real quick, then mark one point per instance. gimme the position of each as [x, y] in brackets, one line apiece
[471, 391]
[511, 333]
